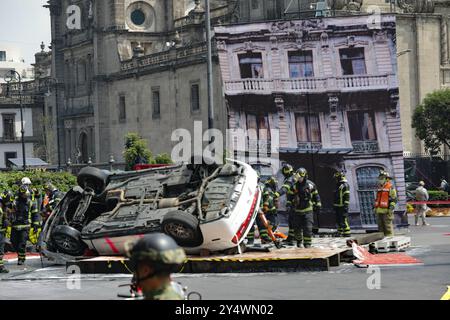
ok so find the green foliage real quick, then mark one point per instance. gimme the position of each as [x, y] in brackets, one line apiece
[431, 120]
[62, 180]
[136, 151]
[437, 195]
[163, 158]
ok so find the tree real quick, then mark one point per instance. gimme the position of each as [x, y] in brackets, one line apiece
[431, 120]
[136, 151]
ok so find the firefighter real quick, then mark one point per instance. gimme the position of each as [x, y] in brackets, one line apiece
[263, 232]
[153, 259]
[385, 203]
[306, 202]
[270, 202]
[24, 216]
[341, 202]
[288, 189]
[53, 197]
[3, 226]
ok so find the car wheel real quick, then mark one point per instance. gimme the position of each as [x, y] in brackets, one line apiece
[93, 178]
[183, 227]
[68, 240]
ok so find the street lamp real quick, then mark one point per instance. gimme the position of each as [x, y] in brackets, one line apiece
[55, 83]
[9, 77]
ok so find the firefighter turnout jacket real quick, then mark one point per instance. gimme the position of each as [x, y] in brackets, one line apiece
[306, 197]
[342, 195]
[24, 214]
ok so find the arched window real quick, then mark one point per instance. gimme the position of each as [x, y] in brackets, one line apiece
[83, 152]
[367, 178]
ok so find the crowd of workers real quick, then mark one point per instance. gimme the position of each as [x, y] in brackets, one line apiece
[23, 215]
[303, 199]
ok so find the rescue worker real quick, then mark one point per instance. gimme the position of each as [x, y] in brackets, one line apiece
[26, 182]
[153, 259]
[24, 216]
[3, 226]
[421, 209]
[270, 202]
[53, 196]
[341, 203]
[385, 203]
[288, 189]
[306, 202]
[263, 232]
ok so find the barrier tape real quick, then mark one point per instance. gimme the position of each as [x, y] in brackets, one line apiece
[430, 202]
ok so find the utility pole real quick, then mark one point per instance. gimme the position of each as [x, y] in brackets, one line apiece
[209, 66]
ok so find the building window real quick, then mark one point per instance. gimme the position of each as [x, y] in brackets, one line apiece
[251, 65]
[255, 4]
[122, 109]
[352, 61]
[9, 130]
[195, 97]
[156, 104]
[138, 17]
[301, 64]
[2, 55]
[258, 127]
[10, 155]
[307, 128]
[362, 126]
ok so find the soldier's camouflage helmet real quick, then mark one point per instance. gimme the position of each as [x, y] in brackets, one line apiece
[159, 250]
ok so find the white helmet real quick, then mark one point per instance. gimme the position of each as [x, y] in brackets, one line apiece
[26, 181]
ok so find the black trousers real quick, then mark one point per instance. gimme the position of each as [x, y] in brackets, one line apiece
[19, 241]
[2, 247]
[291, 214]
[303, 225]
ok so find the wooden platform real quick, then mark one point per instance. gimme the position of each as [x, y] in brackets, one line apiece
[278, 260]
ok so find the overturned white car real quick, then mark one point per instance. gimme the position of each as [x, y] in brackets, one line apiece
[201, 206]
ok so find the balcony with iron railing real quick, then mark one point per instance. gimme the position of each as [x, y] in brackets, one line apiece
[309, 146]
[347, 83]
[368, 146]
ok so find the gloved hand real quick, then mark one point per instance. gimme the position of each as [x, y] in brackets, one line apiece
[316, 209]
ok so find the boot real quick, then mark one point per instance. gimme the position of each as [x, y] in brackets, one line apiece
[20, 262]
[290, 241]
[307, 246]
[3, 270]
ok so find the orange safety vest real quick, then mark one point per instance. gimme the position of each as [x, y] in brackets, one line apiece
[382, 200]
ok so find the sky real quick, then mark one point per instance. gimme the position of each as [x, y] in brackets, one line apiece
[25, 23]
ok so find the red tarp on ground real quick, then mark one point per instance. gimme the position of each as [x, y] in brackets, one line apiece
[366, 259]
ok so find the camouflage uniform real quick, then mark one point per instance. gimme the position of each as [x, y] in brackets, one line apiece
[165, 293]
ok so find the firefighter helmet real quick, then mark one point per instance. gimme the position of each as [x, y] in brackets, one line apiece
[159, 250]
[272, 183]
[301, 172]
[25, 181]
[23, 190]
[384, 174]
[287, 170]
[339, 175]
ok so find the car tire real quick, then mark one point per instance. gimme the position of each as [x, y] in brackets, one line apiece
[183, 227]
[68, 240]
[93, 178]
